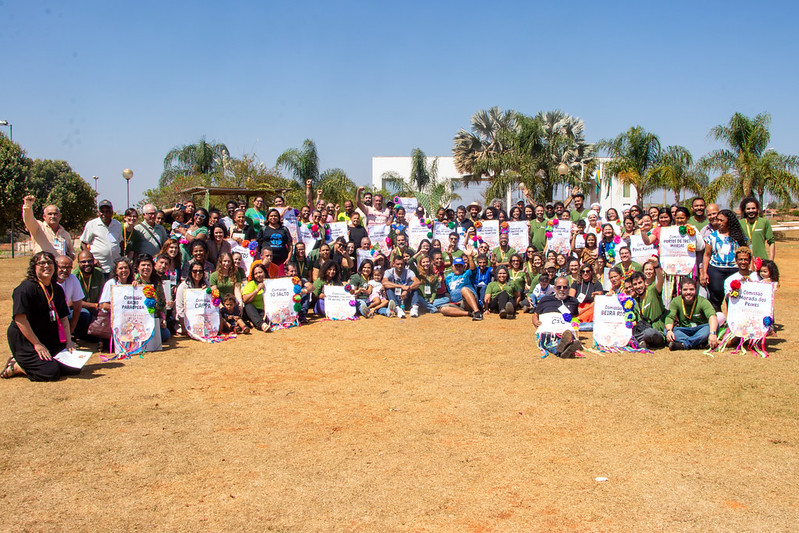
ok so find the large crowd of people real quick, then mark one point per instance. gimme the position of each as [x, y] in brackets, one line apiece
[193, 247]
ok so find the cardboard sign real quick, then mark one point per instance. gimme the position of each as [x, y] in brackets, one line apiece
[305, 235]
[378, 235]
[337, 229]
[609, 322]
[675, 258]
[417, 232]
[745, 313]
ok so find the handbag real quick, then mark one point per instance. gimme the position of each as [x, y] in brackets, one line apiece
[100, 327]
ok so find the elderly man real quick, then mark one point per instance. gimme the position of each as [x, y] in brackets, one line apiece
[72, 289]
[47, 235]
[567, 344]
[149, 237]
[103, 237]
[91, 281]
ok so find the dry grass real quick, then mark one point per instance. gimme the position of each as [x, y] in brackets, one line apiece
[427, 424]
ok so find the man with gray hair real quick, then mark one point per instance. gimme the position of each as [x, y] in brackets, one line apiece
[149, 237]
[49, 235]
[563, 307]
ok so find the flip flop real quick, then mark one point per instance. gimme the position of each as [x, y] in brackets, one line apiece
[12, 368]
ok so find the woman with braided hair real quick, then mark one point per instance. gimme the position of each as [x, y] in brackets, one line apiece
[719, 263]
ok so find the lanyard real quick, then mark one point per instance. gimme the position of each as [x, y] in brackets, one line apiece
[687, 316]
[62, 336]
[749, 228]
[83, 283]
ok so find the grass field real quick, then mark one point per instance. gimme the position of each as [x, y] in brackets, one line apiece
[427, 424]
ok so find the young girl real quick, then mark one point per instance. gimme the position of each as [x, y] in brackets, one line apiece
[769, 272]
[230, 315]
[378, 300]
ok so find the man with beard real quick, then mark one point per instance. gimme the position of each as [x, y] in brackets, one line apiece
[72, 289]
[462, 223]
[758, 230]
[649, 310]
[474, 212]
[567, 344]
[580, 211]
[375, 213]
[692, 321]
[91, 280]
[538, 230]
[698, 218]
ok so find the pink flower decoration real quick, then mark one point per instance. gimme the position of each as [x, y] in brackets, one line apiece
[617, 239]
[549, 235]
[184, 241]
[555, 222]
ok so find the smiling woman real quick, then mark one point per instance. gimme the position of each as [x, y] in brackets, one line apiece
[40, 328]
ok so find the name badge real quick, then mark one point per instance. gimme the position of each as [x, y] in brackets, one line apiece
[398, 291]
[581, 297]
[563, 309]
[428, 290]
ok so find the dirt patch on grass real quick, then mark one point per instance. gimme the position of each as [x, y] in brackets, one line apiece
[424, 424]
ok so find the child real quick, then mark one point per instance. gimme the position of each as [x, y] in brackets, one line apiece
[768, 272]
[378, 300]
[231, 316]
[539, 291]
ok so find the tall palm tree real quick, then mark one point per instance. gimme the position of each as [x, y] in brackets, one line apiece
[302, 163]
[634, 156]
[194, 159]
[746, 165]
[424, 183]
[336, 186]
[676, 172]
[485, 141]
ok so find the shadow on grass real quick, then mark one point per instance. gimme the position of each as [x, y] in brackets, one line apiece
[90, 370]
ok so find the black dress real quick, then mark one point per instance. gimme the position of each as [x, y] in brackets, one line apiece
[278, 240]
[30, 300]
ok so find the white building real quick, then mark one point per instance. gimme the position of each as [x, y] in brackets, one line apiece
[610, 193]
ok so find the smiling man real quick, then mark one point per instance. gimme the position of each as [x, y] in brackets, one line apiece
[103, 236]
[47, 235]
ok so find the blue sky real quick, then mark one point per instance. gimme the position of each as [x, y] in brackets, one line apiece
[110, 85]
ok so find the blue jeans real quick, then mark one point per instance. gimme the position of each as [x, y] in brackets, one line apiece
[692, 337]
[481, 292]
[412, 298]
[435, 305]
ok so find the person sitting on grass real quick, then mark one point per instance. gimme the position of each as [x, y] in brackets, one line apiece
[649, 310]
[401, 284]
[460, 282]
[230, 316]
[329, 274]
[566, 344]
[253, 296]
[692, 321]
[502, 295]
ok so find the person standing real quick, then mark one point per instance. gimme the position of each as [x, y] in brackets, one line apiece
[758, 230]
[375, 213]
[580, 211]
[255, 215]
[149, 237]
[48, 235]
[719, 262]
[699, 218]
[102, 236]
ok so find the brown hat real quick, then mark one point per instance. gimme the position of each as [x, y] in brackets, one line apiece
[550, 264]
[475, 204]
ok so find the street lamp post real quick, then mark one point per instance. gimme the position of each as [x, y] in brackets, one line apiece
[95, 183]
[563, 169]
[10, 128]
[128, 174]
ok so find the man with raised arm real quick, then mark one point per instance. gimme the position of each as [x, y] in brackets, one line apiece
[47, 235]
[375, 213]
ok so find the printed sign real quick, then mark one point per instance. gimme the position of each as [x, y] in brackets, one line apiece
[337, 303]
[417, 232]
[489, 232]
[378, 235]
[246, 258]
[290, 222]
[305, 235]
[609, 322]
[641, 253]
[745, 313]
[518, 235]
[560, 241]
[410, 204]
[279, 302]
[202, 317]
[552, 323]
[675, 258]
[133, 327]
[337, 229]
[363, 255]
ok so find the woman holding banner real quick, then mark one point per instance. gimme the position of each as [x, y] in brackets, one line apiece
[145, 275]
[195, 280]
[329, 275]
[253, 297]
[227, 278]
[583, 290]
[40, 328]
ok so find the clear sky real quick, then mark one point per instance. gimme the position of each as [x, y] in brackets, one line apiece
[109, 85]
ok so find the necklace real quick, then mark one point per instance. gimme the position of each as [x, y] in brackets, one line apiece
[684, 312]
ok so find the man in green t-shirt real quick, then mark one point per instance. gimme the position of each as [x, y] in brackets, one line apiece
[758, 230]
[538, 230]
[698, 219]
[502, 252]
[580, 211]
[649, 310]
[692, 321]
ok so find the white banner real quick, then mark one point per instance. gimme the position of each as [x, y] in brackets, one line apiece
[519, 235]
[745, 313]
[202, 317]
[609, 322]
[305, 235]
[337, 303]
[410, 204]
[378, 235]
[246, 258]
[417, 232]
[641, 253]
[279, 302]
[133, 327]
[552, 323]
[674, 255]
[363, 255]
[441, 231]
[337, 229]
[561, 237]
[489, 232]
[290, 221]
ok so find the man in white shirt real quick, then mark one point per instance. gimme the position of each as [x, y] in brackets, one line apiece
[375, 213]
[72, 289]
[47, 235]
[102, 237]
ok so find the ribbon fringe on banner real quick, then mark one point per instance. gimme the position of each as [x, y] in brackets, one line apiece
[756, 346]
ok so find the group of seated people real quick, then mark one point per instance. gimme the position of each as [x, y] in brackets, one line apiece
[190, 247]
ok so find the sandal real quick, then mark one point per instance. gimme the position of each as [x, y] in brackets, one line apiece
[265, 327]
[12, 369]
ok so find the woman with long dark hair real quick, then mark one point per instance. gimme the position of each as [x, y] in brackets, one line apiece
[40, 326]
[719, 262]
[275, 237]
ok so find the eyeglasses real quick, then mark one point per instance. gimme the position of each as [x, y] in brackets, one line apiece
[202, 217]
[198, 271]
[561, 286]
[44, 263]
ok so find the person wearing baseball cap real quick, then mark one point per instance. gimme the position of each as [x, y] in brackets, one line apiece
[102, 237]
[460, 283]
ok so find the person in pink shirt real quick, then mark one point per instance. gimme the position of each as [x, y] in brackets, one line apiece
[376, 213]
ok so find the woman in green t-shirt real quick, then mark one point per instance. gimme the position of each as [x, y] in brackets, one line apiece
[253, 296]
[227, 278]
[502, 296]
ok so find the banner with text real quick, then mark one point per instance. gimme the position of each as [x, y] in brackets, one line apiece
[338, 303]
[746, 313]
[609, 322]
[677, 252]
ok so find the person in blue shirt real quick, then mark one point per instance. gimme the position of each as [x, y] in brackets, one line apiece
[483, 276]
[460, 283]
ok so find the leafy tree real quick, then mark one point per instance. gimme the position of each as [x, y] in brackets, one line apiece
[302, 164]
[677, 172]
[194, 159]
[634, 156]
[423, 183]
[13, 173]
[476, 152]
[54, 182]
[336, 186]
[747, 167]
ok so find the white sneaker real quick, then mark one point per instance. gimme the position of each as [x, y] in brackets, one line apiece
[414, 311]
[400, 312]
[364, 310]
[391, 307]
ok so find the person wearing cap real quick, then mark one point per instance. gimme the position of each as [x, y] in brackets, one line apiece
[549, 209]
[460, 283]
[47, 235]
[102, 237]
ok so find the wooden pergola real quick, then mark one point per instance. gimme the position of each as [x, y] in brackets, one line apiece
[230, 193]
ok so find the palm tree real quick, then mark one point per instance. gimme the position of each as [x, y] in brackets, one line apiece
[634, 156]
[676, 172]
[747, 166]
[423, 183]
[303, 164]
[485, 141]
[336, 186]
[421, 174]
[202, 158]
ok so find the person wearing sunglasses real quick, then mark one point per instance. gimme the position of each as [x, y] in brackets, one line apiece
[583, 289]
[557, 308]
